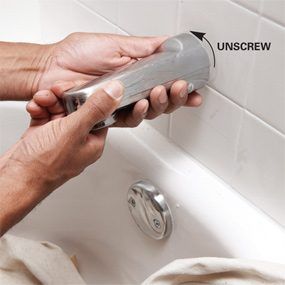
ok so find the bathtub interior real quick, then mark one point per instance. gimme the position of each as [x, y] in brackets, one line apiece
[89, 215]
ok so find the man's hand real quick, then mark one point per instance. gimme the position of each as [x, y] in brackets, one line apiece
[50, 153]
[63, 147]
[82, 57]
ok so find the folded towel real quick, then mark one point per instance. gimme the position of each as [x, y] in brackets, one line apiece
[28, 262]
[218, 271]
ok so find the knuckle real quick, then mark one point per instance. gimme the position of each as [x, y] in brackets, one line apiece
[98, 109]
[159, 108]
[138, 123]
[102, 104]
[101, 146]
[149, 48]
[99, 151]
[170, 109]
[73, 172]
[129, 123]
[99, 154]
[151, 116]
[133, 123]
[73, 36]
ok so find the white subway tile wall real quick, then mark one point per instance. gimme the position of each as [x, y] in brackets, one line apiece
[108, 9]
[209, 133]
[254, 5]
[274, 9]
[259, 166]
[239, 131]
[150, 17]
[224, 21]
[62, 17]
[20, 21]
[265, 89]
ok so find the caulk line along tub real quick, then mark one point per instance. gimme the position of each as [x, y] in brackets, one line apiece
[182, 57]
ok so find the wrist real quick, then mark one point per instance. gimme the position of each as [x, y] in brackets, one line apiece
[20, 192]
[21, 67]
[12, 168]
[39, 64]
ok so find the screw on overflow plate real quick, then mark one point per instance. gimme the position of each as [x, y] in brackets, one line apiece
[132, 201]
[156, 223]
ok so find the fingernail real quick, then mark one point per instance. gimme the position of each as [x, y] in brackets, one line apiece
[162, 98]
[145, 110]
[183, 92]
[114, 89]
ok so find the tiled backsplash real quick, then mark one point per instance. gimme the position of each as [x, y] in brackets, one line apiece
[239, 131]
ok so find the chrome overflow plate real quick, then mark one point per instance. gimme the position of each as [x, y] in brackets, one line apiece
[150, 210]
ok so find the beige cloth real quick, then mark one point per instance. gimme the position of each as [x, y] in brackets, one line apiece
[218, 271]
[28, 262]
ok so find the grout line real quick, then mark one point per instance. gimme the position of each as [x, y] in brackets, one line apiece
[269, 21]
[170, 121]
[244, 7]
[261, 9]
[259, 13]
[99, 16]
[236, 148]
[246, 109]
[230, 100]
[272, 21]
[240, 126]
[257, 36]
[178, 18]
[225, 181]
[271, 128]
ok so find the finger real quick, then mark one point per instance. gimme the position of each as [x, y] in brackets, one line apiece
[158, 102]
[47, 98]
[36, 111]
[121, 63]
[133, 118]
[194, 100]
[178, 95]
[139, 46]
[56, 109]
[98, 107]
[60, 86]
[39, 115]
[94, 145]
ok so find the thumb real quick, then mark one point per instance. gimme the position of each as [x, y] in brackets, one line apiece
[137, 47]
[98, 107]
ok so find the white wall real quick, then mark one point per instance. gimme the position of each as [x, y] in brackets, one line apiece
[239, 132]
[20, 21]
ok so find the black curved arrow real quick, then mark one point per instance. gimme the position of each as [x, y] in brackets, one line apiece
[201, 36]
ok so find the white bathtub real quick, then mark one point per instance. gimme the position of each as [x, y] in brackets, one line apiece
[89, 215]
